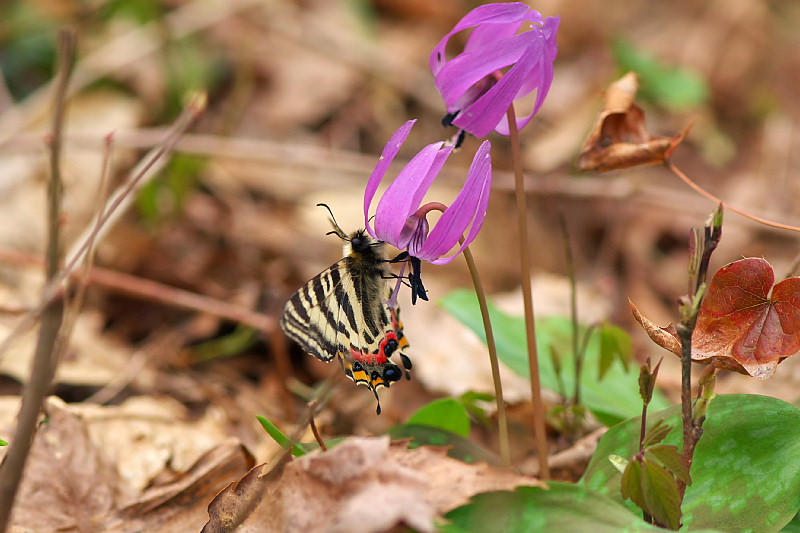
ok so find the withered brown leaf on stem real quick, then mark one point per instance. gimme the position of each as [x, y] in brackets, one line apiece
[619, 138]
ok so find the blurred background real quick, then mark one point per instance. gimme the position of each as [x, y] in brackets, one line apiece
[302, 96]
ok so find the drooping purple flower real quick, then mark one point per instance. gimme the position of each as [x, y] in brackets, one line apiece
[401, 221]
[497, 67]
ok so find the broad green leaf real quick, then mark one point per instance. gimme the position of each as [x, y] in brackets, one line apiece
[676, 88]
[563, 508]
[612, 399]
[746, 472]
[615, 344]
[446, 413]
[458, 447]
[793, 526]
[3, 443]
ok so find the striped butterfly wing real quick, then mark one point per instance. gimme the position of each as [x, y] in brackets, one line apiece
[312, 317]
[342, 312]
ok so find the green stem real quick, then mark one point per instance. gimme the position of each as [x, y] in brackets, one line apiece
[502, 422]
[573, 304]
[527, 296]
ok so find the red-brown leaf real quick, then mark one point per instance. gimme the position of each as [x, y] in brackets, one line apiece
[741, 326]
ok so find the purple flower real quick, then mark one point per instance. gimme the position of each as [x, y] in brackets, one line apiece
[474, 86]
[401, 221]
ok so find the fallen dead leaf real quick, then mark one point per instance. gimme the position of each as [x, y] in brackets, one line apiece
[73, 485]
[619, 138]
[363, 484]
[68, 484]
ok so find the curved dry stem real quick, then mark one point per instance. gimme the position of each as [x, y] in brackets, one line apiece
[688, 181]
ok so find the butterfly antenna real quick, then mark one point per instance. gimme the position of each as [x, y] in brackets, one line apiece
[337, 230]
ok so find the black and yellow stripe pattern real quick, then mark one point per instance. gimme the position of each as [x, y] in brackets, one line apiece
[342, 312]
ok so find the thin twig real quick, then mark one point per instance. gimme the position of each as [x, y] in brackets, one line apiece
[46, 354]
[527, 296]
[703, 192]
[315, 431]
[158, 292]
[502, 421]
[146, 170]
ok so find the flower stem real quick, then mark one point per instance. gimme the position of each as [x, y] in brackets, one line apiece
[502, 422]
[527, 295]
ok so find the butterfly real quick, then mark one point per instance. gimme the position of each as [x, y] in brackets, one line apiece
[343, 313]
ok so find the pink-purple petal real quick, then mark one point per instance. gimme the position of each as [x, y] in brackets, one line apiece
[488, 14]
[485, 114]
[387, 156]
[470, 68]
[404, 195]
[468, 210]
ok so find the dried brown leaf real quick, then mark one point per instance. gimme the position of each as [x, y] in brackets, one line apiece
[619, 138]
[667, 337]
[179, 506]
[72, 484]
[236, 502]
[363, 484]
[68, 485]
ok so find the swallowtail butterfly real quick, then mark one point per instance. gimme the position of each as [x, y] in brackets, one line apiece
[343, 313]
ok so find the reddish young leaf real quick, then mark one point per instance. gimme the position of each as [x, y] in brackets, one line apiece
[741, 326]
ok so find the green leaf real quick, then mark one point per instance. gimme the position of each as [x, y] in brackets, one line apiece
[3, 443]
[472, 402]
[793, 526]
[631, 485]
[647, 380]
[675, 88]
[458, 447]
[446, 413]
[615, 344]
[297, 448]
[669, 457]
[661, 495]
[654, 490]
[563, 508]
[746, 475]
[611, 400]
[619, 462]
[656, 433]
[234, 343]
